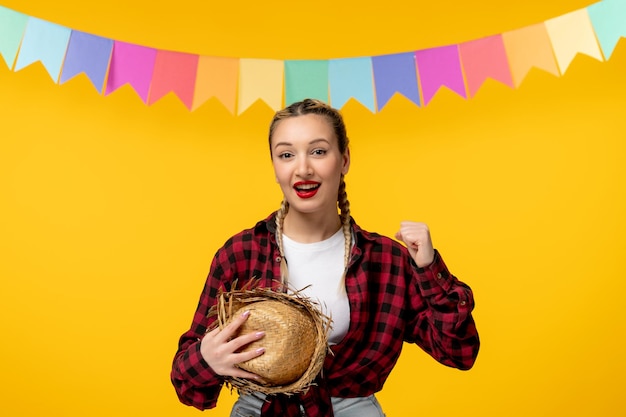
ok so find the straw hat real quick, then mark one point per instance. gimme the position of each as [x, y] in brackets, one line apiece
[295, 341]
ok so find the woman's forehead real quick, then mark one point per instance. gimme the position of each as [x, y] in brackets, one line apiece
[306, 127]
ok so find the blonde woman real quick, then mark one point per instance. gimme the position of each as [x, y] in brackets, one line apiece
[380, 293]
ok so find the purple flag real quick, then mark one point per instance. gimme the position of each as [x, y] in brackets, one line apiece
[439, 67]
[89, 54]
[132, 64]
[395, 73]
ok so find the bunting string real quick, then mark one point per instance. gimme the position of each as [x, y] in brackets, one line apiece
[238, 83]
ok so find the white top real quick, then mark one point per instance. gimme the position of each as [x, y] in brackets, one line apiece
[321, 265]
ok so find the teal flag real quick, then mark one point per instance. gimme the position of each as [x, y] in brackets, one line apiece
[45, 42]
[12, 25]
[609, 22]
[351, 78]
[306, 79]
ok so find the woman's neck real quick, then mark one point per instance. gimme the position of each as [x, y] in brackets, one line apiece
[309, 228]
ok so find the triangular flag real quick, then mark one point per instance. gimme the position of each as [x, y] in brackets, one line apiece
[306, 79]
[527, 48]
[89, 54]
[395, 73]
[12, 26]
[484, 58]
[45, 42]
[351, 78]
[217, 77]
[132, 64]
[175, 72]
[439, 67]
[608, 18]
[260, 79]
[571, 34]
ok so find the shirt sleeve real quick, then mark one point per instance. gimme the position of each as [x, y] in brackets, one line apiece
[196, 384]
[442, 322]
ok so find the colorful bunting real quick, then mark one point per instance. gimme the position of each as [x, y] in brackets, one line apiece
[484, 58]
[395, 74]
[12, 26]
[132, 64]
[260, 79]
[351, 78]
[527, 48]
[306, 79]
[217, 77]
[45, 42]
[238, 83]
[174, 72]
[440, 67]
[571, 34]
[89, 54]
[609, 21]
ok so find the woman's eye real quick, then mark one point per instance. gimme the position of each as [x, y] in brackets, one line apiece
[319, 152]
[285, 155]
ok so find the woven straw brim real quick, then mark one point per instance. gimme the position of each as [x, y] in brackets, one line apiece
[295, 341]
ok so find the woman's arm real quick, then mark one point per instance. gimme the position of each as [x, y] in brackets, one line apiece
[443, 324]
[196, 384]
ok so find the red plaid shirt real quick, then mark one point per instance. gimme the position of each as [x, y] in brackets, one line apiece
[392, 301]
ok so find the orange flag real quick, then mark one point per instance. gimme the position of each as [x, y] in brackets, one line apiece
[217, 77]
[527, 48]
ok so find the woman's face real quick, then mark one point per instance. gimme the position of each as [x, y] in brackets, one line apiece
[307, 162]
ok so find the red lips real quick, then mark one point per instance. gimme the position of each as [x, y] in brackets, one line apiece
[306, 189]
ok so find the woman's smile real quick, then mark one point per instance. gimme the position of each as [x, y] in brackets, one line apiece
[306, 189]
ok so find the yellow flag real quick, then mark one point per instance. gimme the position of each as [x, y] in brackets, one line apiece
[571, 34]
[260, 79]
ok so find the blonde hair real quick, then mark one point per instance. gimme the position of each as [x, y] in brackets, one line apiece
[312, 106]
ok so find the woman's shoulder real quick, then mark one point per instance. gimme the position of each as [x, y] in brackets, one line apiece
[378, 240]
[258, 233]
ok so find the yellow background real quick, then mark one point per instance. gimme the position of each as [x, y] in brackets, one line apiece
[111, 210]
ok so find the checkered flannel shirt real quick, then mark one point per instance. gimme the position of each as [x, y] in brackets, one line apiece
[392, 301]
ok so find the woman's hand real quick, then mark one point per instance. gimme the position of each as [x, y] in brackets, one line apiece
[416, 237]
[220, 350]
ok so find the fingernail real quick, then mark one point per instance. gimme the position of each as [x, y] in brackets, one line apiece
[245, 313]
[260, 350]
[259, 334]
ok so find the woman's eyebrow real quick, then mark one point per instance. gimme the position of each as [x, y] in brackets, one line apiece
[314, 141]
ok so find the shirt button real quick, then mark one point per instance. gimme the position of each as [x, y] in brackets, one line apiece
[439, 276]
[278, 259]
[462, 303]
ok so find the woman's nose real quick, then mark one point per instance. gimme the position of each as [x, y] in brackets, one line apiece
[304, 168]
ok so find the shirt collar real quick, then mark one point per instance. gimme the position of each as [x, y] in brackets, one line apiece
[269, 225]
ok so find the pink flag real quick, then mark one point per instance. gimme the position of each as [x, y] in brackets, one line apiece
[438, 67]
[485, 58]
[174, 72]
[132, 64]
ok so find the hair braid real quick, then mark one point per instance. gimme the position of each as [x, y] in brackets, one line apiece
[280, 219]
[344, 207]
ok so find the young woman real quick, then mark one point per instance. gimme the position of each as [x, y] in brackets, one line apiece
[379, 292]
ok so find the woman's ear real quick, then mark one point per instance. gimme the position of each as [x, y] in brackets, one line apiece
[346, 162]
